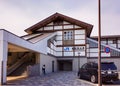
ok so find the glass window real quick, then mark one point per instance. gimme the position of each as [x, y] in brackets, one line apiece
[107, 66]
[84, 66]
[68, 35]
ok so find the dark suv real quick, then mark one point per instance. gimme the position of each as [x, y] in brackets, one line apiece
[90, 71]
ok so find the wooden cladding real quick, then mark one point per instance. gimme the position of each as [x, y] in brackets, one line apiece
[58, 25]
[68, 42]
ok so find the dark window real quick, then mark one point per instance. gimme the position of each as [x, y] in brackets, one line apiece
[108, 66]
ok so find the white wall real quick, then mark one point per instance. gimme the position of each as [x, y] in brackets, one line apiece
[75, 63]
[47, 60]
[48, 28]
[57, 27]
[3, 57]
[79, 31]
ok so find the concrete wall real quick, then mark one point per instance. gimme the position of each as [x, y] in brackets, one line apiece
[115, 60]
[75, 63]
[3, 57]
[47, 61]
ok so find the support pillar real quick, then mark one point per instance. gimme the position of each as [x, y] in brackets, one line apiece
[37, 55]
[3, 61]
[38, 60]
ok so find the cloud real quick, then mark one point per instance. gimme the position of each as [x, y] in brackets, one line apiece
[13, 19]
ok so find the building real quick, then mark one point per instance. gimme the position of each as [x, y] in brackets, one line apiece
[59, 42]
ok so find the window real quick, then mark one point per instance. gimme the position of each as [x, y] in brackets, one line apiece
[84, 66]
[68, 37]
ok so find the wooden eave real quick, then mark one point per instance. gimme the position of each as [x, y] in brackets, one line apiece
[55, 16]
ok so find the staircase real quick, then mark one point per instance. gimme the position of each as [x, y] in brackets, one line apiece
[17, 64]
[22, 70]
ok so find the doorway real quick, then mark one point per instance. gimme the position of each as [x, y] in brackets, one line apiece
[65, 65]
[53, 66]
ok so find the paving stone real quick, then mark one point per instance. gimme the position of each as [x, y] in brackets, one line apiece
[53, 79]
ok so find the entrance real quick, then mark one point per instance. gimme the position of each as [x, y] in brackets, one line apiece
[65, 65]
[17, 64]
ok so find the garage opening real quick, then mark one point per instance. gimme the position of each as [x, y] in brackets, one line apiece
[65, 65]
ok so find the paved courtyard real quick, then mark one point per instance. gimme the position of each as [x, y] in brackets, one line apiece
[53, 79]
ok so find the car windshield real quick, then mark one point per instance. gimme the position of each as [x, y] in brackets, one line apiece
[108, 66]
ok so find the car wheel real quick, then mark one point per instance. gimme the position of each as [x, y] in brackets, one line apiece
[93, 79]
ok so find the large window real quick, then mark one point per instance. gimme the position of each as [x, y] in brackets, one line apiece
[68, 37]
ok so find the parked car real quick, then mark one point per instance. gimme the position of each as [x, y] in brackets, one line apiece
[90, 71]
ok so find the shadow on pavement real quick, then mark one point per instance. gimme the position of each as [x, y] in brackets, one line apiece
[112, 83]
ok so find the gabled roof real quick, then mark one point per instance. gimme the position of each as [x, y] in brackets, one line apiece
[63, 17]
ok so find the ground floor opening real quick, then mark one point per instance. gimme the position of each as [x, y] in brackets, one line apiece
[18, 67]
[18, 61]
[65, 65]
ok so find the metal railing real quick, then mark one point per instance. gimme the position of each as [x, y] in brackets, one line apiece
[113, 51]
[17, 64]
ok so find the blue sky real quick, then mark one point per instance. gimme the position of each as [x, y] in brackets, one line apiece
[18, 15]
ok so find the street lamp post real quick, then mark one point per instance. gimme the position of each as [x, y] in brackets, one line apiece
[78, 61]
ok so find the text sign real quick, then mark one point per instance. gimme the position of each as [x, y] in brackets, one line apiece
[79, 48]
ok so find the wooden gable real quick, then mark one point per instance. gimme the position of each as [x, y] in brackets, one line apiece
[55, 26]
[56, 22]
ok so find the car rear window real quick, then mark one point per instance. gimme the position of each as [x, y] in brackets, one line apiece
[107, 66]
